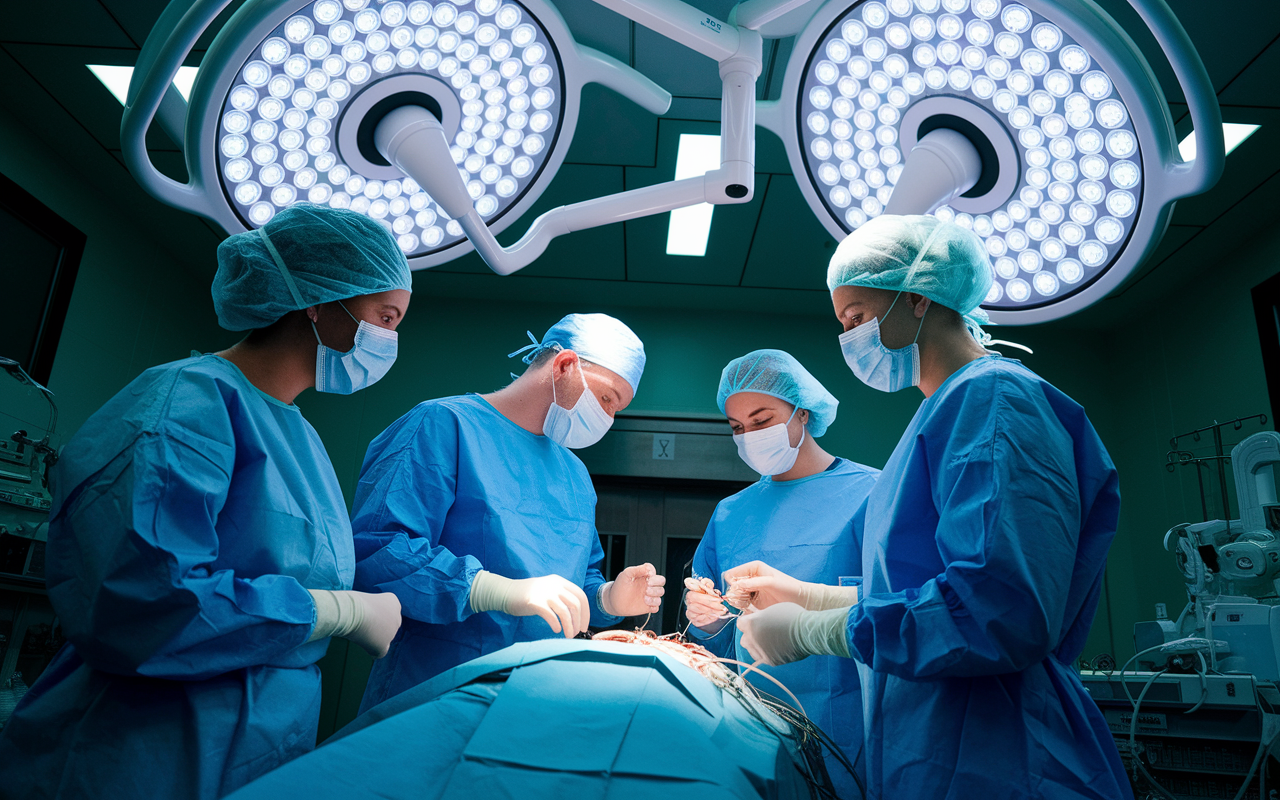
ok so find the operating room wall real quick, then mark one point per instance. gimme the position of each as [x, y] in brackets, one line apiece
[1184, 358]
[134, 305]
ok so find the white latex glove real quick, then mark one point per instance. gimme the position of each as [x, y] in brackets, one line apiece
[559, 601]
[637, 590]
[785, 632]
[369, 620]
[705, 611]
[766, 586]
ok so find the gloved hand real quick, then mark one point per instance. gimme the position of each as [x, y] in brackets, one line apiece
[705, 611]
[369, 620]
[559, 601]
[785, 632]
[765, 586]
[637, 590]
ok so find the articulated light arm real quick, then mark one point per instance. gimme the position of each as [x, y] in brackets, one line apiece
[152, 91]
[412, 139]
[611, 73]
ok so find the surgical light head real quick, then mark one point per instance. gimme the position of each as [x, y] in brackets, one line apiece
[1037, 125]
[287, 101]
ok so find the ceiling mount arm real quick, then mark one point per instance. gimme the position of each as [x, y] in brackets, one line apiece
[1203, 171]
[413, 140]
[175, 33]
[611, 73]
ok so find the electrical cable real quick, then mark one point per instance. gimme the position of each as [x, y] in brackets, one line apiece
[1204, 685]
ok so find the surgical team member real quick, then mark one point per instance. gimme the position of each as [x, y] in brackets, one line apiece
[472, 510]
[199, 549]
[985, 540]
[799, 518]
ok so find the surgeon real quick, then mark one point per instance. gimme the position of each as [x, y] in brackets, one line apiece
[199, 552]
[799, 518]
[474, 512]
[985, 540]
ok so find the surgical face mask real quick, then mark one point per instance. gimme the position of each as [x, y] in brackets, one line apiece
[581, 426]
[768, 450]
[876, 365]
[362, 366]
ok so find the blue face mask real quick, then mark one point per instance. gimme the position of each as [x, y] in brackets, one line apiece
[876, 365]
[360, 367]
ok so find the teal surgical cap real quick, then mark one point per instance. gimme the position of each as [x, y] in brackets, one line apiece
[779, 375]
[324, 254]
[598, 338]
[924, 255]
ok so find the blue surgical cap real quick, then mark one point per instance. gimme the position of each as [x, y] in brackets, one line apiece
[598, 338]
[778, 374]
[923, 255]
[324, 254]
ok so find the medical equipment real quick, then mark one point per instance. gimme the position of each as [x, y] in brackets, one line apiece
[24, 526]
[1038, 124]
[535, 719]
[24, 493]
[1208, 680]
[445, 121]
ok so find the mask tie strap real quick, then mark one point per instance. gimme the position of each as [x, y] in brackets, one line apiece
[288, 279]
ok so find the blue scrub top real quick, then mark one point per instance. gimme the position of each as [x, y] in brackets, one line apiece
[804, 528]
[449, 489]
[985, 543]
[191, 514]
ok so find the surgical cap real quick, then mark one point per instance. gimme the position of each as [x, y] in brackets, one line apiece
[598, 338]
[923, 255]
[325, 253]
[779, 375]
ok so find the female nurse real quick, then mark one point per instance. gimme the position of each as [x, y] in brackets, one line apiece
[199, 547]
[797, 517]
[985, 543]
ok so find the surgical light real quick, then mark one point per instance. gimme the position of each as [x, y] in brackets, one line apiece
[690, 227]
[1233, 134]
[1036, 124]
[288, 97]
[443, 121]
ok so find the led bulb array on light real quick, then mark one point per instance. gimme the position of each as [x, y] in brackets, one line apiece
[276, 137]
[1081, 181]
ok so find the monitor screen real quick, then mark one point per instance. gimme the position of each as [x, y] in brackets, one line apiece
[38, 263]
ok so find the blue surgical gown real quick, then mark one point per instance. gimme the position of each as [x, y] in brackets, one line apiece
[449, 489]
[804, 528]
[985, 541]
[191, 514]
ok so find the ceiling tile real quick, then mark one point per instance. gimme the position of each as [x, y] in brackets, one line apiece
[1256, 85]
[75, 22]
[138, 16]
[612, 130]
[62, 73]
[791, 249]
[1247, 167]
[675, 67]
[596, 26]
[1227, 40]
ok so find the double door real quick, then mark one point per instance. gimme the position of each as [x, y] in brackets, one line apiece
[660, 522]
